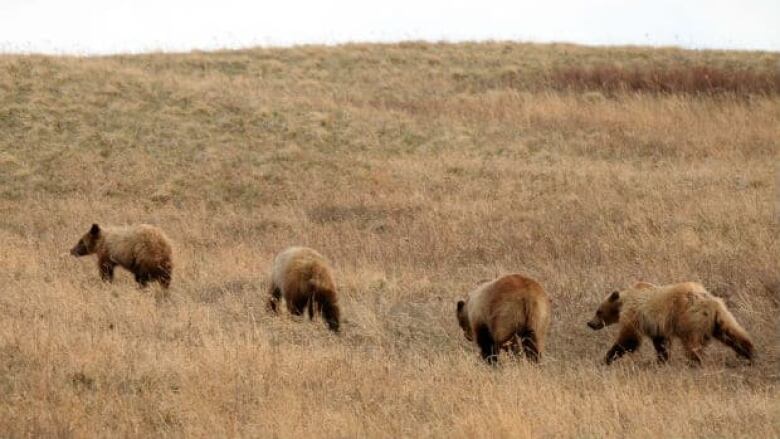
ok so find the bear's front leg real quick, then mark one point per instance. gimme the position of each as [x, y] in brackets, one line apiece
[275, 295]
[531, 346]
[487, 346]
[693, 350]
[662, 345]
[106, 267]
[514, 346]
[628, 341]
[143, 278]
[164, 278]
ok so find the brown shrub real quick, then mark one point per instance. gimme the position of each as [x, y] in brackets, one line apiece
[696, 79]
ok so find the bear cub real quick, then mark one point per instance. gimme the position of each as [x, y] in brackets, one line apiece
[685, 311]
[142, 249]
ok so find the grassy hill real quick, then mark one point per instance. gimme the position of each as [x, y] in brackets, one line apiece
[419, 170]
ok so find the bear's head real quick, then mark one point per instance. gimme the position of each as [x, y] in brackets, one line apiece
[607, 313]
[463, 320]
[88, 243]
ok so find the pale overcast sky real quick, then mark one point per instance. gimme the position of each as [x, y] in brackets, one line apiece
[106, 26]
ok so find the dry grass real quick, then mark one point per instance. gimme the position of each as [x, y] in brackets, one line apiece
[682, 79]
[419, 171]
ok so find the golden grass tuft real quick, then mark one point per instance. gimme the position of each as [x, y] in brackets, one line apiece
[419, 170]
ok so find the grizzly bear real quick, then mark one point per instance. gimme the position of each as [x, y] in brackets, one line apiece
[142, 249]
[303, 277]
[685, 310]
[507, 312]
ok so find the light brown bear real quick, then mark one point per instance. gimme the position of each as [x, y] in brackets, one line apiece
[507, 312]
[303, 277]
[685, 310]
[142, 249]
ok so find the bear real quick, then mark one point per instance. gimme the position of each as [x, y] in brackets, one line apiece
[142, 249]
[685, 310]
[506, 313]
[304, 278]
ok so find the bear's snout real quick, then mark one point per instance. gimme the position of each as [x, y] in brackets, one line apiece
[596, 324]
[78, 250]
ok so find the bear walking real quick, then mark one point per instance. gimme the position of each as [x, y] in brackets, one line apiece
[512, 311]
[686, 311]
[142, 249]
[303, 277]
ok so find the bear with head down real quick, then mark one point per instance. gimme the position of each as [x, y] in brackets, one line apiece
[304, 279]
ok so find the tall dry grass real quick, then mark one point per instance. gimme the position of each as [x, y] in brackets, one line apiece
[683, 79]
[418, 171]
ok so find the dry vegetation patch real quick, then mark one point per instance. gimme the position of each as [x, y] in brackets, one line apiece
[697, 79]
[419, 170]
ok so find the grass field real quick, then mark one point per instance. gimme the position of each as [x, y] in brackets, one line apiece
[418, 170]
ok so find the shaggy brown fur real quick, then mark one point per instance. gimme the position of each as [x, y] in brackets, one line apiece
[142, 249]
[303, 277]
[686, 311]
[508, 312]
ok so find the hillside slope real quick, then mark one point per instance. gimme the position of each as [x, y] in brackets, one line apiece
[418, 170]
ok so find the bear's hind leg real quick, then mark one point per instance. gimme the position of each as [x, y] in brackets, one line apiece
[160, 275]
[327, 306]
[531, 346]
[734, 339]
[487, 345]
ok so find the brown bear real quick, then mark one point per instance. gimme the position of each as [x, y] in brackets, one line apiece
[303, 277]
[142, 249]
[685, 310]
[507, 312]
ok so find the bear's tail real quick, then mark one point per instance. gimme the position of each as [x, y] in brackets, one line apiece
[730, 333]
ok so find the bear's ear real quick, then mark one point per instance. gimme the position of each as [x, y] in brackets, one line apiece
[95, 230]
[461, 304]
[614, 296]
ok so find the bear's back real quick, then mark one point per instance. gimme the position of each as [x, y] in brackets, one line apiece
[143, 243]
[663, 309]
[296, 265]
[507, 296]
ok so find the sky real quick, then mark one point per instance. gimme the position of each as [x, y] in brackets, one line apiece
[92, 27]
